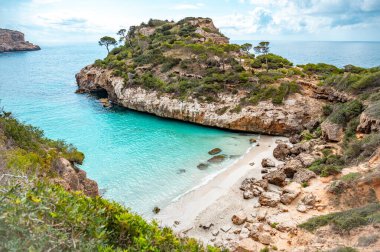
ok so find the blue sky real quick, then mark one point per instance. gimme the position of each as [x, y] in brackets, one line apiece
[73, 21]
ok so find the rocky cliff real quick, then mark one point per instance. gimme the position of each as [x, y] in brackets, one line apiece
[294, 115]
[188, 70]
[15, 41]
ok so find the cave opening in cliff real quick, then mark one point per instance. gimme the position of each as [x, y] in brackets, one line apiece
[100, 93]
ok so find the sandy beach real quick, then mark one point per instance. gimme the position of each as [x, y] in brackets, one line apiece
[186, 213]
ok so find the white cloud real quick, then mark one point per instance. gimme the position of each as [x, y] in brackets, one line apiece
[188, 6]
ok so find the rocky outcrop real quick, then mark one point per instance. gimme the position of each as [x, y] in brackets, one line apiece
[332, 131]
[265, 117]
[368, 121]
[15, 41]
[74, 179]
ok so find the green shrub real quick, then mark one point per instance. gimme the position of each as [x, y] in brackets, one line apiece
[274, 61]
[344, 249]
[354, 69]
[351, 176]
[327, 110]
[320, 68]
[45, 217]
[346, 220]
[361, 149]
[367, 81]
[330, 165]
[373, 110]
[343, 113]
[169, 64]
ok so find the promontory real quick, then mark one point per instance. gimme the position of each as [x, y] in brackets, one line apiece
[11, 41]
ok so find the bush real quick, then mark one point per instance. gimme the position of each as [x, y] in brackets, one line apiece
[344, 113]
[45, 217]
[361, 149]
[320, 69]
[373, 110]
[327, 110]
[346, 220]
[330, 165]
[274, 61]
[367, 81]
[169, 64]
[351, 176]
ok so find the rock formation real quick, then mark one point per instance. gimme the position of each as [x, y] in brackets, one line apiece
[264, 117]
[14, 41]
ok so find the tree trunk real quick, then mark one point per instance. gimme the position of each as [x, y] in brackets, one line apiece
[266, 62]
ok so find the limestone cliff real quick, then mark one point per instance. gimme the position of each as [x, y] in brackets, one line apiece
[15, 41]
[293, 116]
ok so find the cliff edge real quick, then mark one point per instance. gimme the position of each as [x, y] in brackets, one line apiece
[15, 41]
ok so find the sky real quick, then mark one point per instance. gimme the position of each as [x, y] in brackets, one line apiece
[77, 21]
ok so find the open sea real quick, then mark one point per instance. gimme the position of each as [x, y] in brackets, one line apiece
[138, 160]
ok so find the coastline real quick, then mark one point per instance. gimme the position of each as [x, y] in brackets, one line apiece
[183, 212]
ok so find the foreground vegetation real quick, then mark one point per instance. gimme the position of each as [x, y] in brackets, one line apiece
[45, 217]
[37, 215]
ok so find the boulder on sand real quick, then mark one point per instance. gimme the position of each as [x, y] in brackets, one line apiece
[239, 218]
[267, 162]
[270, 199]
[276, 178]
[332, 131]
[281, 151]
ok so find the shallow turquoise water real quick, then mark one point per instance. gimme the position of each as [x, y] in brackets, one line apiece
[134, 157]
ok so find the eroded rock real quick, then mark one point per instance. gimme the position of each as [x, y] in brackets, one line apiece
[276, 178]
[267, 162]
[281, 152]
[332, 131]
[239, 218]
[270, 199]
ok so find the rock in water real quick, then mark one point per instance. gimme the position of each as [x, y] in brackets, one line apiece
[14, 41]
[252, 140]
[215, 151]
[156, 210]
[217, 159]
[202, 166]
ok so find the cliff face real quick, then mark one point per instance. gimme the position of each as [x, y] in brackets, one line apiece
[294, 115]
[15, 41]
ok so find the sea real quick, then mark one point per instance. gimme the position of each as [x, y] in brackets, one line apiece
[138, 160]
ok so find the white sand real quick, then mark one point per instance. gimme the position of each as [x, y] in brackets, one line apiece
[220, 192]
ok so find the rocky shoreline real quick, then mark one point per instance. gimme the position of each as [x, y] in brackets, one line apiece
[260, 211]
[298, 112]
[12, 41]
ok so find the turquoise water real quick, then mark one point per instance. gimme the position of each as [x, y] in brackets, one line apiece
[338, 53]
[135, 158]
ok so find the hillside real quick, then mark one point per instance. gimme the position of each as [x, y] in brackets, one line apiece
[48, 203]
[329, 170]
[14, 41]
[188, 71]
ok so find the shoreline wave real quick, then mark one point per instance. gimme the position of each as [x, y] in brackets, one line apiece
[207, 179]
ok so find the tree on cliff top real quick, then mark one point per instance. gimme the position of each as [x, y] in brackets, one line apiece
[246, 47]
[107, 41]
[263, 48]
